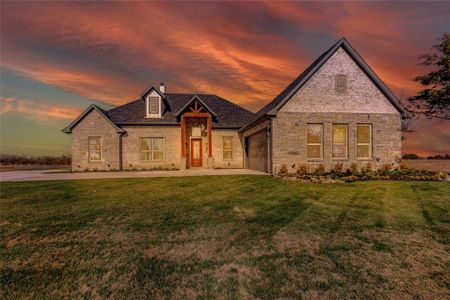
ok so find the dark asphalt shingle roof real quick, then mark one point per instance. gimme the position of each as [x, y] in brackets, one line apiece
[229, 115]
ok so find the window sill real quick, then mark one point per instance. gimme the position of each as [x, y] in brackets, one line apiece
[315, 160]
[152, 161]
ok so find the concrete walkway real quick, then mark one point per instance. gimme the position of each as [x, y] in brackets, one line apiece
[35, 175]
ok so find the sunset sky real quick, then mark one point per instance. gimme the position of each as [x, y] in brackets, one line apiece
[57, 58]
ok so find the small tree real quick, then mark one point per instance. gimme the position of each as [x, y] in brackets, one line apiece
[410, 156]
[434, 100]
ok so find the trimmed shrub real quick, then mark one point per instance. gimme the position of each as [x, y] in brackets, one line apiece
[319, 170]
[302, 169]
[354, 168]
[283, 170]
[338, 168]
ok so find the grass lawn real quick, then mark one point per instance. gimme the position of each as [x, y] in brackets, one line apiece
[224, 237]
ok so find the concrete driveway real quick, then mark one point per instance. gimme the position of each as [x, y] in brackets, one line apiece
[34, 175]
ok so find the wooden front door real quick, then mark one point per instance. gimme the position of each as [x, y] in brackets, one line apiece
[196, 153]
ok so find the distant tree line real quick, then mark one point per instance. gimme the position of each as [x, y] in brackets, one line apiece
[415, 156]
[10, 159]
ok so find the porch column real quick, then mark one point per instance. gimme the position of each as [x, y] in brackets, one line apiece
[183, 136]
[209, 121]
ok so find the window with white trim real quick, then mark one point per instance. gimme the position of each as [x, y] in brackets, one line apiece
[95, 148]
[153, 105]
[364, 141]
[227, 148]
[340, 141]
[314, 141]
[152, 148]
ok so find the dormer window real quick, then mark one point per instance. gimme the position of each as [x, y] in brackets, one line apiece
[153, 105]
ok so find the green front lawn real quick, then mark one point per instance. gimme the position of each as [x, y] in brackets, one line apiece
[226, 237]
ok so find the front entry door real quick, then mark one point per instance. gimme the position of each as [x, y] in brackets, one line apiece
[196, 152]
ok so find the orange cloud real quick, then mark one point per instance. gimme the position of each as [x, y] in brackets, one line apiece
[37, 111]
[197, 60]
[245, 52]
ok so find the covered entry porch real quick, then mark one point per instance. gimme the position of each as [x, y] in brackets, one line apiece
[196, 135]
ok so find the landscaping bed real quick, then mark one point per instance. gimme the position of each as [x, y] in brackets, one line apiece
[356, 173]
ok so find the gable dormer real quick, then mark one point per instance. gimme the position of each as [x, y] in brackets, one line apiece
[155, 105]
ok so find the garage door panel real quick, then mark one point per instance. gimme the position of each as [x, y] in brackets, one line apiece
[257, 151]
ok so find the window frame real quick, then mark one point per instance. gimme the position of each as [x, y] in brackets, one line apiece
[370, 144]
[91, 150]
[333, 143]
[227, 150]
[149, 101]
[315, 144]
[151, 150]
[340, 79]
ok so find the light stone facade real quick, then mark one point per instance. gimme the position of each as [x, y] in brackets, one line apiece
[289, 139]
[123, 150]
[237, 160]
[131, 147]
[94, 124]
[318, 102]
[319, 94]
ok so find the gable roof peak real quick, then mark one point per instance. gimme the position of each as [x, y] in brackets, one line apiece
[68, 128]
[194, 98]
[148, 91]
[271, 108]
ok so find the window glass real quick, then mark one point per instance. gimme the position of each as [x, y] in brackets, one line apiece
[196, 131]
[95, 148]
[152, 148]
[340, 140]
[153, 105]
[363, 133]
[364, 141]
[314, 141]
[227, 147]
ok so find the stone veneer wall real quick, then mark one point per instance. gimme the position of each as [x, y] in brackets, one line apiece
[319, 94]
[318, 102]
[217, 150]
[94, 124]
[289, 138]
[131, 159]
